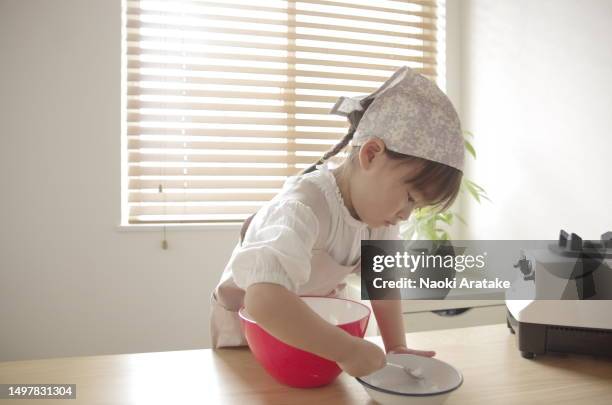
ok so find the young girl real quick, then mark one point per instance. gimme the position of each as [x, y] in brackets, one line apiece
[407, 152]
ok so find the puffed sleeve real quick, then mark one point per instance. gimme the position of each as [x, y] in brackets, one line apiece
[277, 247]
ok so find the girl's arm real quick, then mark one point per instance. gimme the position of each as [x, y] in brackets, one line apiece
[388, 315]
[284, 315]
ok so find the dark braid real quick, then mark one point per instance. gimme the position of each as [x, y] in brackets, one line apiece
[354, 118]
[330, 153]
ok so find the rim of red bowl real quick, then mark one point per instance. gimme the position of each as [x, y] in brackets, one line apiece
[240, 311]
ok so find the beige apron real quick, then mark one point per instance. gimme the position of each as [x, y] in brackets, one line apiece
[326, 279]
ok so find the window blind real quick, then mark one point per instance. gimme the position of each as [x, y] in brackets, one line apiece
[225, 100]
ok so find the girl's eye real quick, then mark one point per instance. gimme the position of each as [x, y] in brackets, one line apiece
[410, 198]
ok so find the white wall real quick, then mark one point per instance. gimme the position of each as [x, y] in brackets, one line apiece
[70, 282]
[537, 92]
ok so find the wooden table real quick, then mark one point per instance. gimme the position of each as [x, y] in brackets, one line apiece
[493, 370]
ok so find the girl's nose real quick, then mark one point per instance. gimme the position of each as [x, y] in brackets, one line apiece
[404, 213]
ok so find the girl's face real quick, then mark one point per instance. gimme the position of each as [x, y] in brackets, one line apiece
[379, 191]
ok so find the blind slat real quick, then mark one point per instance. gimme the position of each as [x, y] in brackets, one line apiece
[430, 15]
[135, 144]
[219, 183]
[429, 4]
[188, 219]
[135, 129]
[135, 51]
[177, 197]
[161, 208]
[184, 80]
[156, 91]
[136, 104]
[133, 34]
[301, 11]
[136, 64]
[212, 171]
[222, 119]
[153, 160]
[320, 26]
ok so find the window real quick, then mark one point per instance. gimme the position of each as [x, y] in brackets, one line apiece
[224, 100]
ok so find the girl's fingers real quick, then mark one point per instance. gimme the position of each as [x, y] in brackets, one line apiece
[424, 353]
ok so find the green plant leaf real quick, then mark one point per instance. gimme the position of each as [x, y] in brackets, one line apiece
[447, 217]
[470, 148]
[472, 190]
[460, 218]
[481, 191]
[476, 186]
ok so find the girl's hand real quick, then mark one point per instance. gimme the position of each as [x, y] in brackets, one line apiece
[405, 350]
[362, 358]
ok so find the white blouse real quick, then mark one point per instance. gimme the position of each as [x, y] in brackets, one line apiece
[308, 214]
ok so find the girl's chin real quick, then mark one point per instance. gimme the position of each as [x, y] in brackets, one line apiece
[373, 222]
[377, 224]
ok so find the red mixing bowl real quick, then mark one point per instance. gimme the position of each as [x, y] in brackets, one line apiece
[295, 367]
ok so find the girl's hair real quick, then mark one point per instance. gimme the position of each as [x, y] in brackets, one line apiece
[354, 118]
[439, 182]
